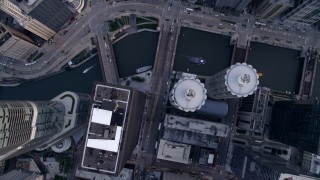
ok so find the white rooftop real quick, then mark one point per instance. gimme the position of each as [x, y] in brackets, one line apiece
[175, 152]
[195, 125]
[101, 116]
[188, 94]
[241, 79]
[106, 144]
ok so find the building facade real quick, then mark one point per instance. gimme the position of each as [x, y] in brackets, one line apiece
[269, 9]
[253, 110]
[296, 123]
[29, 125]
[15, 44]
[304, 13]
[237, 5]
[239, 80]
[25, 125]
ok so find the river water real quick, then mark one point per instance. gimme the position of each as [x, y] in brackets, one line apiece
[280, 67]
[46, 89]
[214, 48]
[135, 51]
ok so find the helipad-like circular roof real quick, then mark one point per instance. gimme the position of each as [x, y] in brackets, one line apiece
[189, 94]
[241, 79]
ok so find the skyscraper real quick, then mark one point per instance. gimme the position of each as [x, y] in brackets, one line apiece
[239, 80]
[15, 44]
[270, 9]
[42, 17]
[296, 123]
[251, 165]
[27, 125]
[304, 13]
[237, 5]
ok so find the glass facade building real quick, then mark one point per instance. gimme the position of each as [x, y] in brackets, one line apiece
[297, 124]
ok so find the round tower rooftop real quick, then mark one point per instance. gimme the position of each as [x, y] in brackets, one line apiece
[189, 94]
[241, 79]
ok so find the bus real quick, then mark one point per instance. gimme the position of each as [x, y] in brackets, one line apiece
[189, 9]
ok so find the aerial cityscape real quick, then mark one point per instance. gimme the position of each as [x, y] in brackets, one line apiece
[159, 89]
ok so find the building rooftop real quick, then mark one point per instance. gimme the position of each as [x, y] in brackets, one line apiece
[172, 151]
[105, 130]
[188, 94]
[195, 125]
[21, 175]
[241, 79]
[27, 164]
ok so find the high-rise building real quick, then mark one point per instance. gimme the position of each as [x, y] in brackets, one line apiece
[270, 9]
[237, 5]
[21, 175]
[250, 165]
[188, 94]
[296, 123]
[27, 125]
[15, 44]
[239, 80]
[304, 12]
[113, 129]
[42, 17]
[253, 111]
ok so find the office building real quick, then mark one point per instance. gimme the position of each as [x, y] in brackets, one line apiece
[15, 44]
[193, 131]
[42, 17]
[270, 9]
[304, 13]
[239, 80]
[296, 123]
[237, 5]
[188, 94]
[21, 175]
[29, 125]
[113, 130]
[176, 152]
[253, 111]
[52, 13]
[250, 165]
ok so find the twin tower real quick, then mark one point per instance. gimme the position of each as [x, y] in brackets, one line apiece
[239, 80]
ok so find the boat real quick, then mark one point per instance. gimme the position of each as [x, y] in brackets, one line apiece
[197, 60]
[88, 69]
[143, 69]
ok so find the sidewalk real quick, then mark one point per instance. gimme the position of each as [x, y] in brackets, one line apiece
[141, 86]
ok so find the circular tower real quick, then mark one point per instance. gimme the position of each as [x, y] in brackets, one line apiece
[239, 80]
[188, 94]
